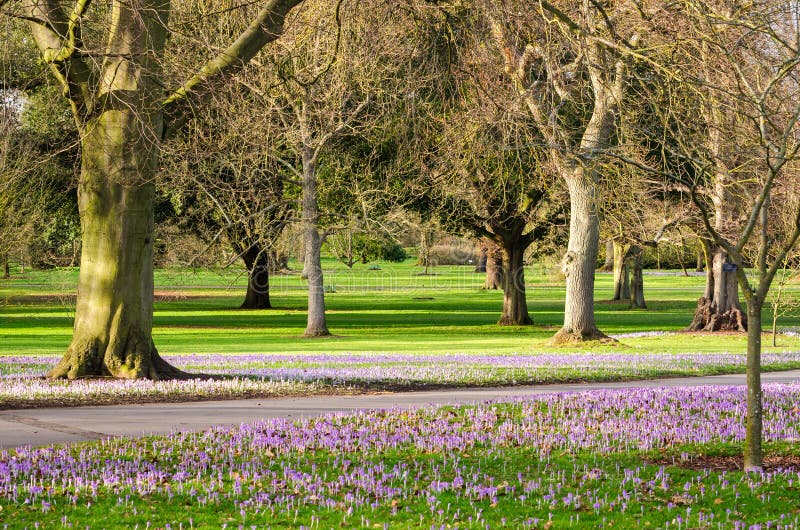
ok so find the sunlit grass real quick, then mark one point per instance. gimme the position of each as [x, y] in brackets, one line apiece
[391, 310]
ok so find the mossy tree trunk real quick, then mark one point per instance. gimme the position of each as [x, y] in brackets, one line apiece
[117, 97]
[112, 334]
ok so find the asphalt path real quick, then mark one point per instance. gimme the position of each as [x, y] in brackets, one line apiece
[37, 427]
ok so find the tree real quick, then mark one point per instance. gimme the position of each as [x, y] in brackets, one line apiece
[489, 184]
[225, 168]
[752, 116]
[16, 157]
[108, 57]
[38, 217]
[638, 211]
[783, 301]
[564, 61]
[479, 155]
[326, 87]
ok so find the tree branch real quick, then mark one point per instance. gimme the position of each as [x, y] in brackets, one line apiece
[267, 27]
[58, 39]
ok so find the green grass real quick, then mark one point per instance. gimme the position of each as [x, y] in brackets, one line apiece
[394, 309]
[658, 508]
[286, 478]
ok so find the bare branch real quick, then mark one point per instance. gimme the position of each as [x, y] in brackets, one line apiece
[267, 27]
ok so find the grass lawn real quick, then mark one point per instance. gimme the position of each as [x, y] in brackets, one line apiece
[599, 459]
[394, 328]
[394, 310]
[646, 458]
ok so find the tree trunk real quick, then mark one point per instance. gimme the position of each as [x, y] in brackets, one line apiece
[721, 311]
[708, 259]
[76, 249]
[637, 281]
[482, 261]
[622, 279]
[775, 324]
[579, 262]
[753, 456]
[424, 258]
[119, 160]
[494, 268]
[114, 312]
[6, 267]
[277, 262]
[515, 306]
[701, 259]
[608, 264]
[256, 260]
[312, 268]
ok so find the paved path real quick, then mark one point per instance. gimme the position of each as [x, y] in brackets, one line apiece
[77, 424]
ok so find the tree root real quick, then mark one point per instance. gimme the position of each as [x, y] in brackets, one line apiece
[510, 321]
[161, 370]
[707, 318]
[89, 362]
[567, 337]
[316, 333]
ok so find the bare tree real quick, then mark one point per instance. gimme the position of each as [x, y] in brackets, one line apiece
[784, 301]
[489, 184]
[751, 126]
[564, 61]
[108, 58]
[323, 88]
[226, 168]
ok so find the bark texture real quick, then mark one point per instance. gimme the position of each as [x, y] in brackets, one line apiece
[579, 262]
[622, 277]
[753, 454]
[721, 311]
[316, 325]
[119, 159]
[114, 312]
[257, 262]
[117, 103]
[515, 305]
[6, 267]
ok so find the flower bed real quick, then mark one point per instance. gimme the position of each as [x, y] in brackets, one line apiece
[240, 376]
[554, 460]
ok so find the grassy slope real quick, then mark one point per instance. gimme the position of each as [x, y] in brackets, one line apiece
[391, 310]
